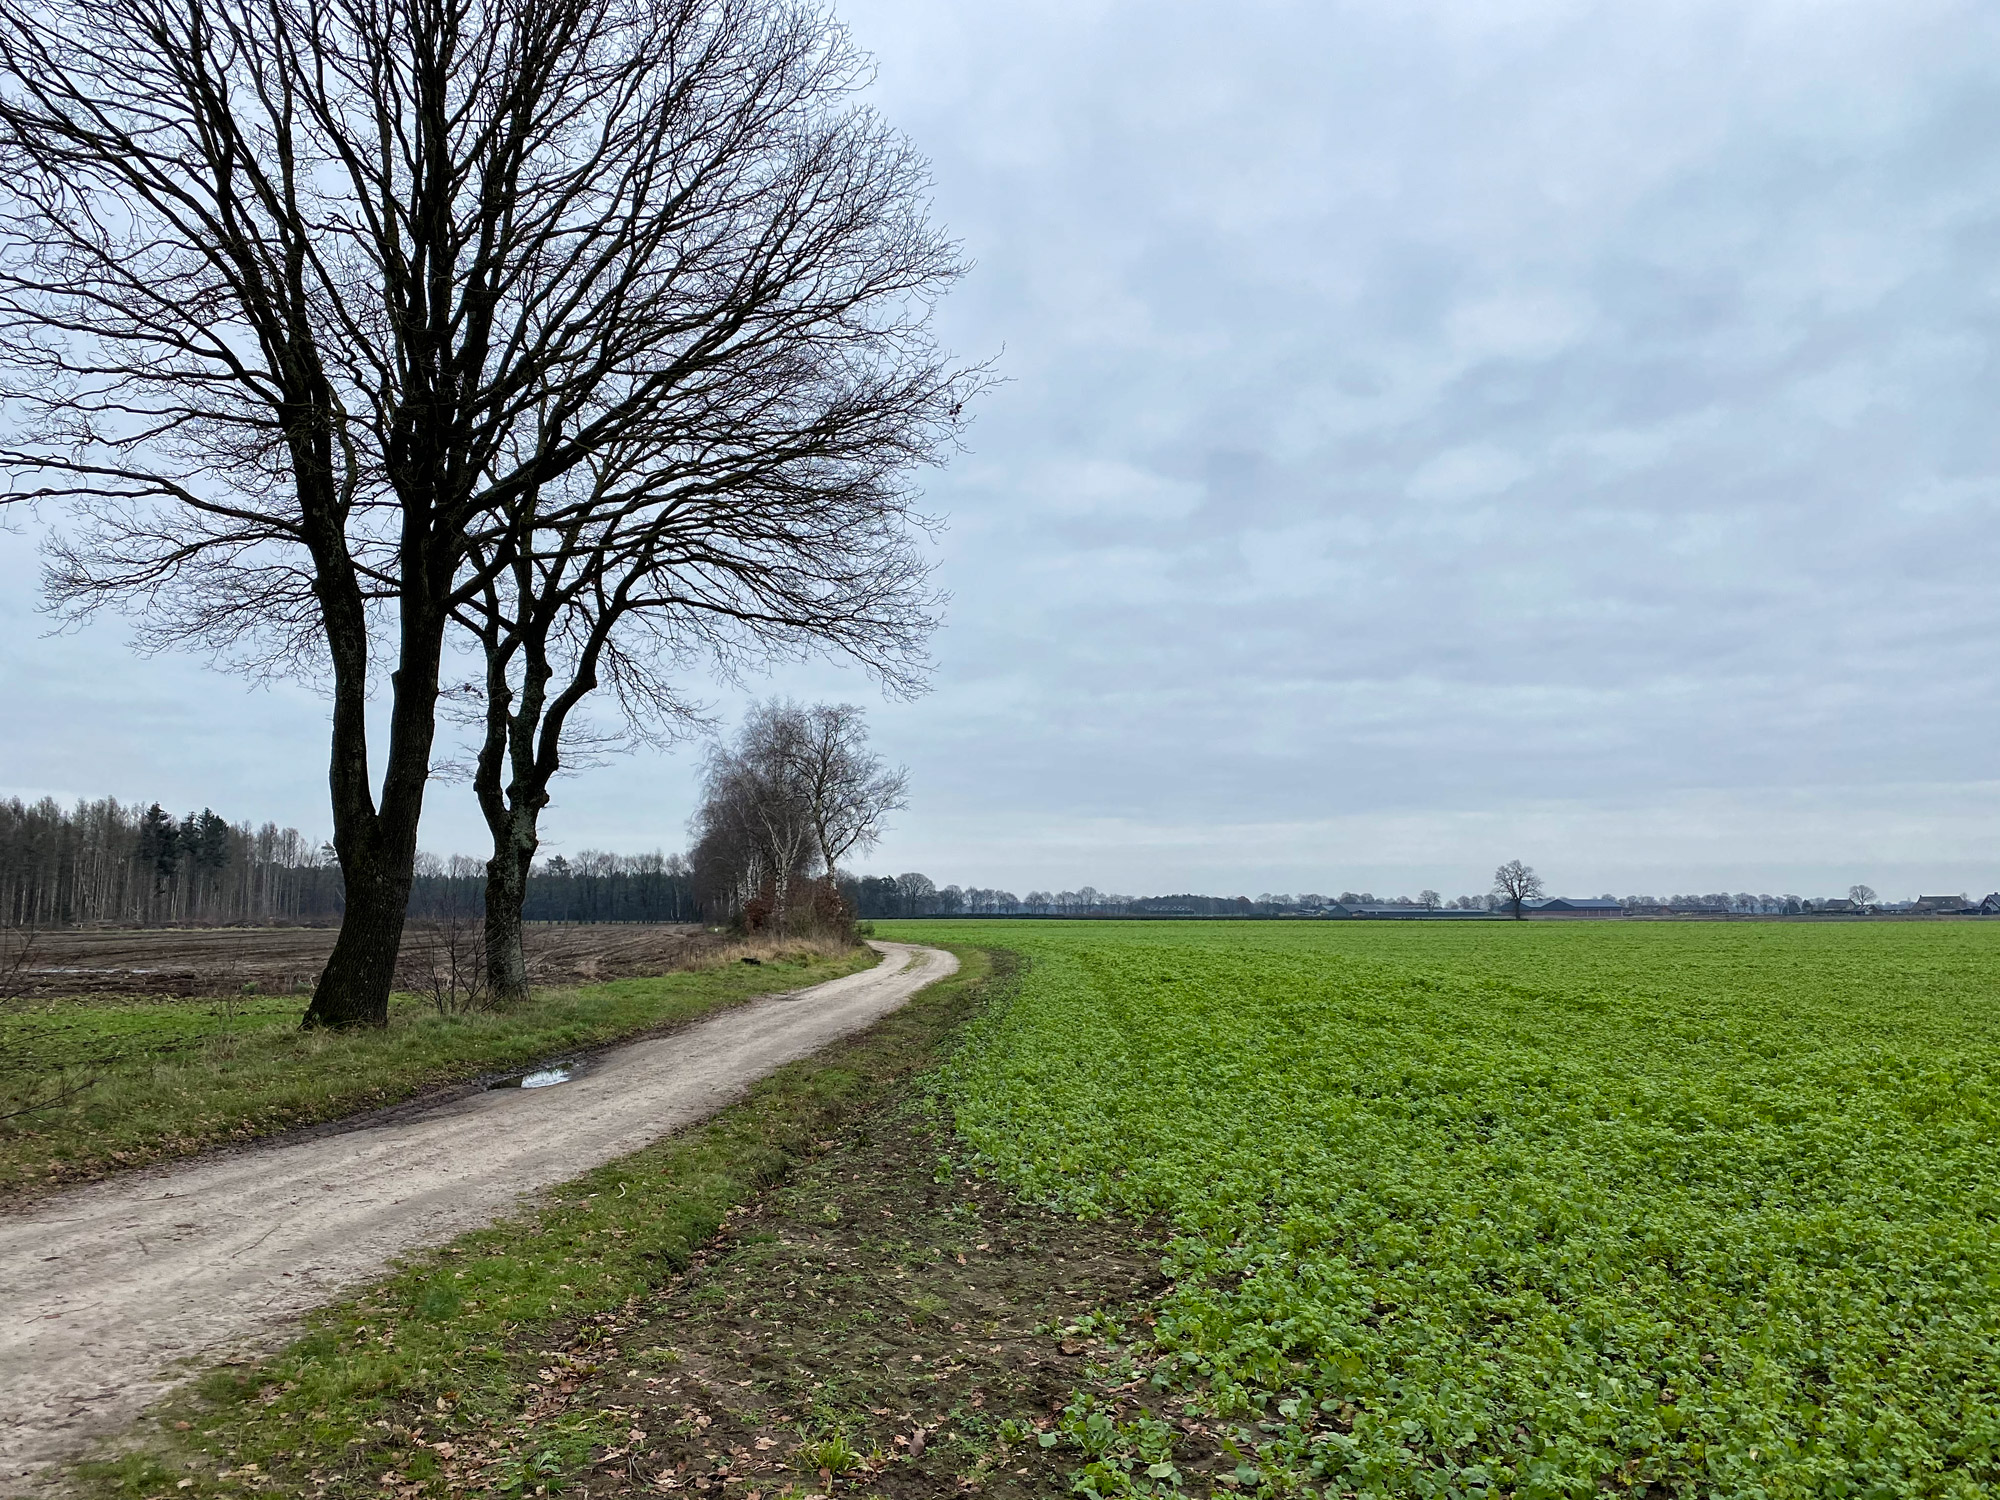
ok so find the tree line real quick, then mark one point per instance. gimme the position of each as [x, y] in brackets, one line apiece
[107, 861]
[916, 895]
[126, 864]
[592, 887]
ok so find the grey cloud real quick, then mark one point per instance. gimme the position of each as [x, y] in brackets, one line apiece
[1442, 430]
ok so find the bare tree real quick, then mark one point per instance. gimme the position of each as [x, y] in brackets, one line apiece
[794, 795]
[447, 961]
[1517, 884]
[1429, 900]
[1861, 895]
[755, 841]
[17, 952]
[850, 790]
[771, 517]
[304, 300]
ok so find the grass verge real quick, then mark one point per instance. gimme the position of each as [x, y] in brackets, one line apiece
[460, 1371]
[161, 1079]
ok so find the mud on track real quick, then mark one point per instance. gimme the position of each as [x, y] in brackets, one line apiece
[104, 1289]
[278, 960]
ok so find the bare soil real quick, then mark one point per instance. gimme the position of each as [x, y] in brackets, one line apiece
[191, 961]
[923, 1315]
[869, 1299]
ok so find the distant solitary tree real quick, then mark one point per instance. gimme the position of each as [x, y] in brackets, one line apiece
[1860, 895]
[1516, 884]
[1429, 900]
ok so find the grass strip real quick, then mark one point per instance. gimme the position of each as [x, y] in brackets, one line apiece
[171, 1078]
[449, 1375]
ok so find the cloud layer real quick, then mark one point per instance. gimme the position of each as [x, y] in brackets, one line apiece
[1434, 433]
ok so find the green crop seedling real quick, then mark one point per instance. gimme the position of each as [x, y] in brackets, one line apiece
[1533, 1210]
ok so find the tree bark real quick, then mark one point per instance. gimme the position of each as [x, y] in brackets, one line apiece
[506, 891]
[376, 846]
[354, 987]
[524, 740]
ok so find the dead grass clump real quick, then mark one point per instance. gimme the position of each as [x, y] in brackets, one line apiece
[793, 949]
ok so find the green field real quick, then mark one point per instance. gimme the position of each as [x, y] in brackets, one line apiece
[1532, 1209]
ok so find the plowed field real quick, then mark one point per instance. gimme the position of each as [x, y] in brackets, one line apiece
[280, 960]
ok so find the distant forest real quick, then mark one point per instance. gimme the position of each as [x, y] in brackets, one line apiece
[916, 895]
[128, 864]
[113, 862]
[125, 864]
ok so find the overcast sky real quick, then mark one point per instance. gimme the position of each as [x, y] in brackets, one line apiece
[1435, 434]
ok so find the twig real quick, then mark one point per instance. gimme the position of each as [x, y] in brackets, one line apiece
[56, 1098]
[10, 970]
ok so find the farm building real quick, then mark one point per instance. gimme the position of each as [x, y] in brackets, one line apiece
[1396, 911]
[1952, 904]
[1576, 906]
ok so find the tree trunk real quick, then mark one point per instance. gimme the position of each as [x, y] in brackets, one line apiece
[523, 740]
[512, 810]
[377, 847]
[354, 987]
[506, 891]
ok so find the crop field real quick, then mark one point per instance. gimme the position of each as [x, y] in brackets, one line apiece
[1526, 1210]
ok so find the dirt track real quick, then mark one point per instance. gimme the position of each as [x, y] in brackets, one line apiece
[104, 1289]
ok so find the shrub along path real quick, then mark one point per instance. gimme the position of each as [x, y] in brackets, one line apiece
[110, 1285]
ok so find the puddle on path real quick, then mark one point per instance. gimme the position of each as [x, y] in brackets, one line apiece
[541, 1078]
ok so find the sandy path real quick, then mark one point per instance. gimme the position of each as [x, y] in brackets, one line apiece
[103, 1290]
